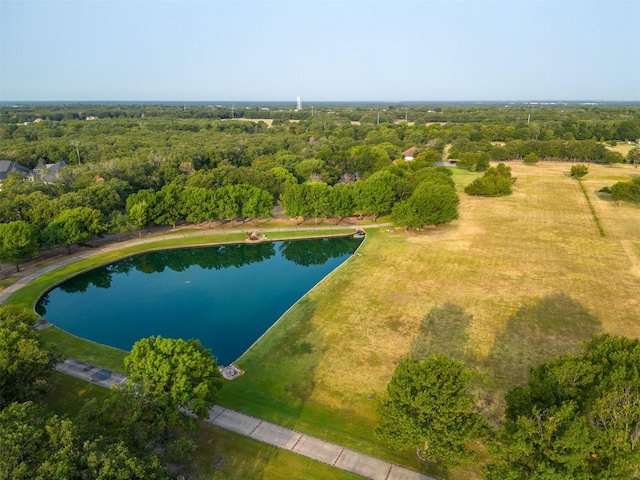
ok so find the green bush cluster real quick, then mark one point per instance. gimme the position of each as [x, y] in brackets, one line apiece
[495, 182]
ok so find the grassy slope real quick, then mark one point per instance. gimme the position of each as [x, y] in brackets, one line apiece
[530, 271]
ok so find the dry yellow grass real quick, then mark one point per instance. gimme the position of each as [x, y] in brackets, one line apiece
[622, 147]
[531, 269]
[268, 121]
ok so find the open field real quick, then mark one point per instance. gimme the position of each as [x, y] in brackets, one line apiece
[513, 282]
[622, 147]
[268, 121]
[530, 273]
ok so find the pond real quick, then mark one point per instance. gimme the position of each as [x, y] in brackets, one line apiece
[226, 296]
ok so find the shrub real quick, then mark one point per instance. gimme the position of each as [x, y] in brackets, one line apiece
[579, 171]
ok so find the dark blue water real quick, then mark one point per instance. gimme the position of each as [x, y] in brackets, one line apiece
[225, 296]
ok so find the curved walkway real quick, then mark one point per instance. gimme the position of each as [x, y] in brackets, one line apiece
[18, 284]
[266, 432]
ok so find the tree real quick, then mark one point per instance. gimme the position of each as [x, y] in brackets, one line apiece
[406, 215]
[634, 155]
[104, 459]
[38, 445]
[131, 419]
[341, 201]
[531, 158]
[578, 417]
[495, 182]
[474, 161]
[18, 241]
[610, 157]
[294, 200]
[256, 203]
[74, 225]
[141, 208]
[169, 206]
[629, 191]
[23, 359]
[35, 444]
[228, 205]
[198, 204]
[181, 374]
[428, 408]
[376, 195]
[318, 199]
[579, 171]
[138, 215]
[434, 202]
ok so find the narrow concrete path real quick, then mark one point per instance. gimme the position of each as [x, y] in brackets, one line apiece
[311, 447]
[266, 432]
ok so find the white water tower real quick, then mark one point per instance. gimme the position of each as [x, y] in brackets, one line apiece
[298, 104]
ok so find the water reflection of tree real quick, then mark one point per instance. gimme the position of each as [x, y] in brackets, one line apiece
[317, 251]
[41, 306]
[100, 278]
[301, 252]
[179, 260]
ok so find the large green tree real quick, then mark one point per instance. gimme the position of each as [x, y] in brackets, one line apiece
[180, 374]
[578, 417]
[74, 225]
[18, 241]
[256, 203]
[294, 200]
[376, 195]
[429, 409]
[37, 445]
[340, 201]
[23, 358]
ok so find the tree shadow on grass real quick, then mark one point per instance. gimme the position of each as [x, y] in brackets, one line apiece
[443, 331]
[538, 333]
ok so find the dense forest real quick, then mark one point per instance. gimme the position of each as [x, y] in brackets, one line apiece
[127, 167]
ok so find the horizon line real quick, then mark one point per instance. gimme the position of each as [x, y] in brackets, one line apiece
[157, 101]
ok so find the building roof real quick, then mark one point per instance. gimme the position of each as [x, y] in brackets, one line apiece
[410, 152]
[49, 172]
[10, 166]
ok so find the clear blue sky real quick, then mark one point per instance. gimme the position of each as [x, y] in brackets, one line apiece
[349, 50]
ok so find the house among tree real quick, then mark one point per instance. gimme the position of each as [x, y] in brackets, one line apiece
[410, 153]
[10, 166]
[48, 173]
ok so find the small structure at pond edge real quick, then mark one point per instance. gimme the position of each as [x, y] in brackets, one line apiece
[255, 237]
[230, 371]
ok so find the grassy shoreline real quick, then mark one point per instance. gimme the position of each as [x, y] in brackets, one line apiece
[106, 356]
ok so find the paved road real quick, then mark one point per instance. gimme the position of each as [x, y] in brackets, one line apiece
[270, 433]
